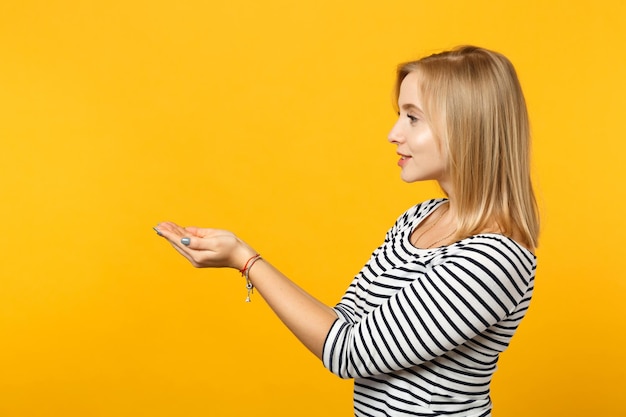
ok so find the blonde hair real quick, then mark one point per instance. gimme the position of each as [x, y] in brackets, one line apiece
[475, 105]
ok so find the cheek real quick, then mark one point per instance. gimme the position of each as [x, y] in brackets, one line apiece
[423, 144]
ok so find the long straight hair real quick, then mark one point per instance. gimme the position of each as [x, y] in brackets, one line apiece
[475, 105]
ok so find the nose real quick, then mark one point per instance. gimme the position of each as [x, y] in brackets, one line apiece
[394, 135]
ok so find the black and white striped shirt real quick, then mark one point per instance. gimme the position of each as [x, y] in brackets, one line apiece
[420, 330]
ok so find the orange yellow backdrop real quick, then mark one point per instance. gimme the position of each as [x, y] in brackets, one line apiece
[270, 118]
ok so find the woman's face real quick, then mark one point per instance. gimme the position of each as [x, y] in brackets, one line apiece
[421, 155]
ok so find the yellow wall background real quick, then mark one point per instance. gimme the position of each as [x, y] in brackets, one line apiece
[270, 118]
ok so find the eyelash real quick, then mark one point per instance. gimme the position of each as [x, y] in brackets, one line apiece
[412, 118]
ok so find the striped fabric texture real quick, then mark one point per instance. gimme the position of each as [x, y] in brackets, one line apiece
[420, 330]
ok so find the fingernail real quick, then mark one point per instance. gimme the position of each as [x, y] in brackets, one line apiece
[157, 230]
[185, 241]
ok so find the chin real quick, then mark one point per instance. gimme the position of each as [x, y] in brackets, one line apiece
[410, 177]
[409, 180]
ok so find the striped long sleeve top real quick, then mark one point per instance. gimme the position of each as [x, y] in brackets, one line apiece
[420, 330]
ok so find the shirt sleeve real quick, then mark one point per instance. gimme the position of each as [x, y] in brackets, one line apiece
[469, 291]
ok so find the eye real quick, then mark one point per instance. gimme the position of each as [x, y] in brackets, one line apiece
[412, 118]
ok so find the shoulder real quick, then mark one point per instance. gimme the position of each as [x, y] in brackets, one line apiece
[491, 270]
[494, 251]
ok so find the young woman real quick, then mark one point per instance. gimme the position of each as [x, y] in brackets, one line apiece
[422, 325]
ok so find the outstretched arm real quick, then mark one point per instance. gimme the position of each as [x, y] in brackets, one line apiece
[307, 318]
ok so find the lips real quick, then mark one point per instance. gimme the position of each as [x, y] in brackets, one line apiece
[403, 159]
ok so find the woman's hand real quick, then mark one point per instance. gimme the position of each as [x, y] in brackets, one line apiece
[309, 319]
[206, 248]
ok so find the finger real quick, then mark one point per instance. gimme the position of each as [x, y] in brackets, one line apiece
[171, 227]
[183, 239]
[170, 231]
[187, 231]
[202, 232]
[192, 230]
[185, 252]
[198, 243]
[175, 235]
[198, 257]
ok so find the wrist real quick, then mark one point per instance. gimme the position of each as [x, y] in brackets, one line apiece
[246, 267]
[242, 256]
[245, 270]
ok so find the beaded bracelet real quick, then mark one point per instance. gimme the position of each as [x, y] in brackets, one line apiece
[245, 272]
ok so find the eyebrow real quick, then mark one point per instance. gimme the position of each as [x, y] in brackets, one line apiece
[410, 106]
